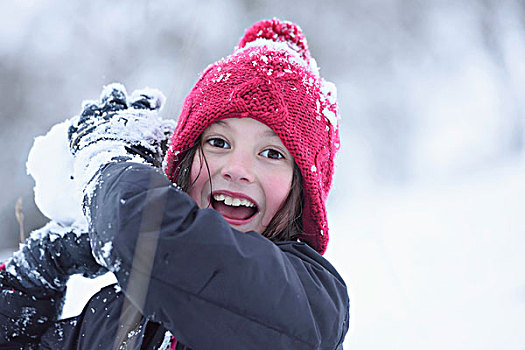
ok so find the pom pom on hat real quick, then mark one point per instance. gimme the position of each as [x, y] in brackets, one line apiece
[278, 31]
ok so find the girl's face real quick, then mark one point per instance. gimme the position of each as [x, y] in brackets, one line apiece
[250, 171]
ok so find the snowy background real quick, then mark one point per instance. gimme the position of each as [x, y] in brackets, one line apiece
[427, 223]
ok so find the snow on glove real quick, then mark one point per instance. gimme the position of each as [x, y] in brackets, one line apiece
[44, 263]
[119, 128]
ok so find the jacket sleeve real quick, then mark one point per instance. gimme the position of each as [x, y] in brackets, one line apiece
[210, 285]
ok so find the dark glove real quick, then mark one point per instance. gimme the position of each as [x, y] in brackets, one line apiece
[118, 128]
[43, 265]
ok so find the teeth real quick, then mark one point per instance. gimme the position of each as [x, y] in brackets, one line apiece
[234, 202]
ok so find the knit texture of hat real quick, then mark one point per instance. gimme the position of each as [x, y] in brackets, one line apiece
[271, 77]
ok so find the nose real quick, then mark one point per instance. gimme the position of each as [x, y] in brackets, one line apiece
[238, 167]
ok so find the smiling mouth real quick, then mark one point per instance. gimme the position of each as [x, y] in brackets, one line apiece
[234, 208]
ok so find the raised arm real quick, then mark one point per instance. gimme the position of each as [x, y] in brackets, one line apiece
[210, 285]
[185, 267]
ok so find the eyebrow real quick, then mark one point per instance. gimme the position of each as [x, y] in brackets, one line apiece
[271, 133]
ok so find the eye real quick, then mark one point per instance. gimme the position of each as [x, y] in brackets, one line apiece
[218, 142]
[272, 154]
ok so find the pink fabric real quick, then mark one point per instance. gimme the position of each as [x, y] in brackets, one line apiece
[276, 85]
[173, 343]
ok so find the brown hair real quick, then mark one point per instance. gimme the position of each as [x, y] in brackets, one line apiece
[286, 225]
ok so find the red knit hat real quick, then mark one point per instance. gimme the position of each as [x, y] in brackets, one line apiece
[271, 77]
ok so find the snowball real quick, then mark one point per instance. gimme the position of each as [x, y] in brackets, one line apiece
[50, 163]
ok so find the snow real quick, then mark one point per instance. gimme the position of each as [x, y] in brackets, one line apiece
[263, 46]
[330, 116]
[156, 97]
[431, 260]
[50, 163]
[435, 266]
[61, 179]
[80, 289]
[106, 249]
[329, 91]
[55, 230]
[110, 137]
[18, 259]
[89, 160]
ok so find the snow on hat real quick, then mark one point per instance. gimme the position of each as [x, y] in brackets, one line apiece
[271, 77]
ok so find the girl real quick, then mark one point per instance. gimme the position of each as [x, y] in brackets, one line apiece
[231, 259]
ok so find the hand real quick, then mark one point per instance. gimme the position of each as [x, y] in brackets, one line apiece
[43, 265]
[119, 128]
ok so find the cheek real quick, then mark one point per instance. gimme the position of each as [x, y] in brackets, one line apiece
[277, 187]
